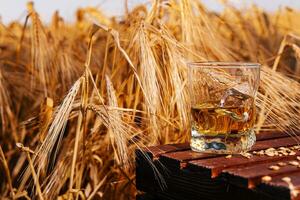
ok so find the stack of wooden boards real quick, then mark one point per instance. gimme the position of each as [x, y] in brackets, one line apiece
[270, 171]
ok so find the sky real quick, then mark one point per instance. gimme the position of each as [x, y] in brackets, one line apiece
[16, 9]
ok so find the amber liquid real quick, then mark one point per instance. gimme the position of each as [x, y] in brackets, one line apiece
[211, 119]
[223, 129]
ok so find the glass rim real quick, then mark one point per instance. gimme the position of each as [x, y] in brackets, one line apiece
[218, 64]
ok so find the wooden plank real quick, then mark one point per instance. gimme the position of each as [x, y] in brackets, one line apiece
[277, 181]
[250, 176]
[155, 151]
[275, 143]
[282, 188]
[272, 135]
[216, 165]
[181, 158]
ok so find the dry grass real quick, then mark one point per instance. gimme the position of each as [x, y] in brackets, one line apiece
[85, 95]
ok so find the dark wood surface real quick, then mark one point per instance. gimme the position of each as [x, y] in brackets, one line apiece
[174, 172]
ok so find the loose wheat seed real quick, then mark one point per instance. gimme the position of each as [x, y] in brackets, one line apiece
[266, 178]
[292, 153]
[294, 163]
[274, 167]
[281, 164]
[286, 179]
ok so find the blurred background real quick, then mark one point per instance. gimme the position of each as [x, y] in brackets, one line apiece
[15, 9]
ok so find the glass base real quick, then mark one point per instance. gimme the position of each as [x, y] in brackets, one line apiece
[221, 144]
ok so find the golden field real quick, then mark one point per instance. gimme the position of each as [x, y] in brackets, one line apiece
[77, 99]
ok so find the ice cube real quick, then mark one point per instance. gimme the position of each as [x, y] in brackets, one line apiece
[236, 96]
[243, 88]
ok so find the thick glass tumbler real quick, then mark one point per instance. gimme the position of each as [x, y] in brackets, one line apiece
[223, 106]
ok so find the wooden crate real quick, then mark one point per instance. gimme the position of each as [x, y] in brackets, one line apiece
[191, 175]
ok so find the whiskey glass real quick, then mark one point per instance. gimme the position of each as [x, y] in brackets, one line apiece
[223, 112]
